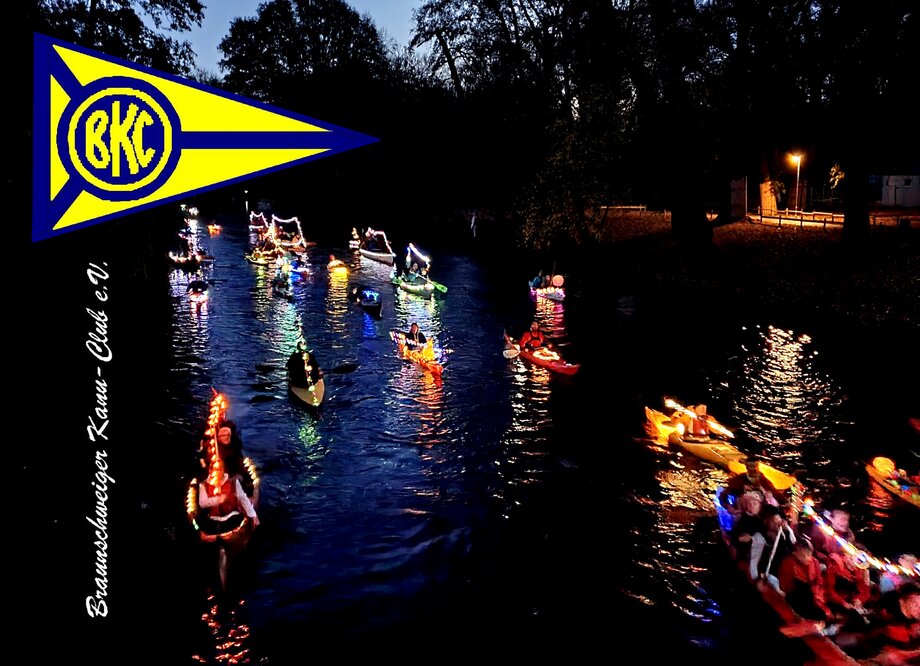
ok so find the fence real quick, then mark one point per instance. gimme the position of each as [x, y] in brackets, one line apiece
[819, 219]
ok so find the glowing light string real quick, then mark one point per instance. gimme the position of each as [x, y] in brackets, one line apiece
[552, 293]
[860, 555]
[311, 387]
[257, 216]
[278, 221]
[381, 234]
[215, 418]
[415, 250]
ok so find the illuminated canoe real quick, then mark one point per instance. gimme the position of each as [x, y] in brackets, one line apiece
[417, 356]
[190, 262]
[550, 360]
[370, 302]
[551, 293]
[337, 266]
[717, 451]
[882, 470]
[310, 396]
[383, 257]
[824, 649]
[419, 289]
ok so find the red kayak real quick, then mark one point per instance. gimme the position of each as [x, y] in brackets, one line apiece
[551, 361]
[545, 358]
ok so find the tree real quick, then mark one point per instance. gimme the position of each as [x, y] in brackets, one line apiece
[117, 28]
[293, 43]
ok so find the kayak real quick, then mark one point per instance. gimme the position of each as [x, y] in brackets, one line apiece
[543, 357]
[419, 289]
[824, 649]
[310, 398]
[237, 528]
[550, 360]
[552, 293]
[883, 470]
[370, 302]
[337, 266]
[717, 451]
[383, 257]
[420, 357]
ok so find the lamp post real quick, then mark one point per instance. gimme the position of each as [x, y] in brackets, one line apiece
[246, 192]
[797, 158]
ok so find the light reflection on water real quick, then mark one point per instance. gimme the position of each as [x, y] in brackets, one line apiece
[776, 394]
[371, 509]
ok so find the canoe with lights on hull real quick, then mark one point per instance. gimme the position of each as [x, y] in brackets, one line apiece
[311, 396]
[235, 528]
[423, 357]
[423, 289]
[545, 358]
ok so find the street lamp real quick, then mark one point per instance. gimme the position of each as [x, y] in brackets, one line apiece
[246, 192]
[797, 160]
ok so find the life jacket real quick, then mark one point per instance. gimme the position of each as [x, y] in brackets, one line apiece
[698, 426]
[533, 341]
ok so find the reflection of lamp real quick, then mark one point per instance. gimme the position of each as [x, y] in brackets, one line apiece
[796, 158]
[246, 192]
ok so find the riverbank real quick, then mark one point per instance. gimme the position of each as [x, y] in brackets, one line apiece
[805, 273]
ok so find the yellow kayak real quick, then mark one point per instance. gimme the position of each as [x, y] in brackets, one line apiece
[717, 451]
[882, 470]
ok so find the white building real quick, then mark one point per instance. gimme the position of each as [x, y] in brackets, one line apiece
[900, 191]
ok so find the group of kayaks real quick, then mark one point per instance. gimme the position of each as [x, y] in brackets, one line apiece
[718, 451]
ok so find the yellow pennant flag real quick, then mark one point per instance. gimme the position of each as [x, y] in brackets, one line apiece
[111, 138]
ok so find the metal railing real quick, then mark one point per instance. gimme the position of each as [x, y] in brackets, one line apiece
[821, 219]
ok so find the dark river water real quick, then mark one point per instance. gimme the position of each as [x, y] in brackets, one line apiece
[502, 508]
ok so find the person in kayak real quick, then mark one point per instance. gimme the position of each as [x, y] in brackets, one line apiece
[764, 558]
[802, 583]
[533, 339]
[827, 545]
[415, 338]
[698, 424]
[222, 510]
[231, 454]
[750, 480]
[297, 365]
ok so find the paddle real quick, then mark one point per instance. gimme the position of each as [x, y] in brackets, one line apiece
[437, 285]
[512, 350]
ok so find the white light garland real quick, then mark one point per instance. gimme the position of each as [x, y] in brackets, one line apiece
[858, 554]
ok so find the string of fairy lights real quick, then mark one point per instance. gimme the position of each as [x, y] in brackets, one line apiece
[308, 368]
[216, 415]
[859, 555]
